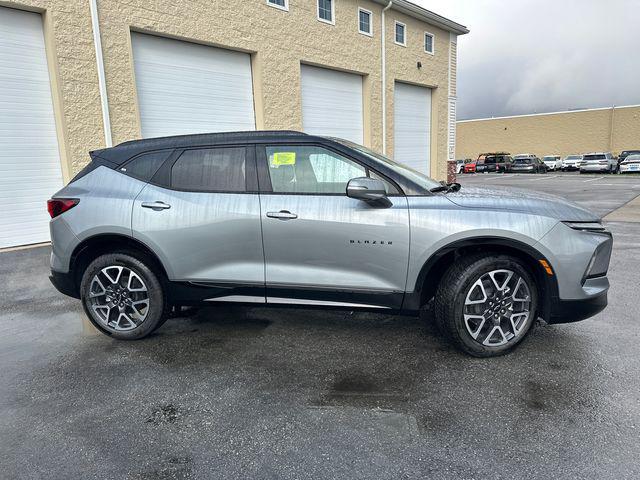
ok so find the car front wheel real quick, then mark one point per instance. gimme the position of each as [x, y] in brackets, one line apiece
[123, 297]
[486, 304]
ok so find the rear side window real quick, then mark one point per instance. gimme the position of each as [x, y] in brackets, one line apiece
[143, 167]
[210, 170]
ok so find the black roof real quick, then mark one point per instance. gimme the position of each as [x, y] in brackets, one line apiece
[124, 151]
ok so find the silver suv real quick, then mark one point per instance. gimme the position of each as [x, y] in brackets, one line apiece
[152, 226]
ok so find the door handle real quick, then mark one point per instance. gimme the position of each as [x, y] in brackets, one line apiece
[156, 205]
[282, 215]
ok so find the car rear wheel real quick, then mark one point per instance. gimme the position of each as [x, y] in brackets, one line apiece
[486, 304]
[123, 297]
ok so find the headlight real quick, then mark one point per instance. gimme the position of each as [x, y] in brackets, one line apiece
[586, 226]
[599, 263]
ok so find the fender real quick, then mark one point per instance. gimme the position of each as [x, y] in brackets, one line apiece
[435, 267]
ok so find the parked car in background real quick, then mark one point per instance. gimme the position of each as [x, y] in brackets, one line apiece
[624, 154]
[631, 164]
[526, 163]
[598, 162]
[571, 162]
[494, 162]
[460, 165]
[470, 167]
[553, 162]
[285, 218]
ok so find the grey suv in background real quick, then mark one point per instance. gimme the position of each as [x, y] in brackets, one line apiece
[284, 218]
[600, 162]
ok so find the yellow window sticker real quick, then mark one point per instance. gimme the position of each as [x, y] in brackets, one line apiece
[283, 158]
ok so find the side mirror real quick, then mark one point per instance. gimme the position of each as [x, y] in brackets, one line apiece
[369, 190]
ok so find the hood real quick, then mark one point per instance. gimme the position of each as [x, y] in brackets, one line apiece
[525, 201]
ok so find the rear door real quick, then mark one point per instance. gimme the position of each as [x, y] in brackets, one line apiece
[201, 215]
[322, 247]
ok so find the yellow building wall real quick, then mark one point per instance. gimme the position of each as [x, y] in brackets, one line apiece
[566, 133]
[278, 42]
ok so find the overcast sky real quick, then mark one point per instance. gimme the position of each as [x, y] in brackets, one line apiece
[528, 56]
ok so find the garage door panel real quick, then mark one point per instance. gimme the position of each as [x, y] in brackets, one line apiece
[332, 103]
[30, 170]
[188, 88]
[412, 126]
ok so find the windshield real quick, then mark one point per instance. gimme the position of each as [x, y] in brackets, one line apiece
[629, 152]
[549, 159]
[419, 178]
[522, 161]
[594, 157]
[574, 157]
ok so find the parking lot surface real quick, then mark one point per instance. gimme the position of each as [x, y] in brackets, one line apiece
[290, 393]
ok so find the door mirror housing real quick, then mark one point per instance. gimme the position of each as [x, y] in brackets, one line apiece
[369, 190]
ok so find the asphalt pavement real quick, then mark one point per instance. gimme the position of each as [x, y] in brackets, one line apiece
[243, 393]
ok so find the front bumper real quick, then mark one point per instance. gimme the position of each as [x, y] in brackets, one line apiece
[631, 168]
[64, 283]
[567, 311]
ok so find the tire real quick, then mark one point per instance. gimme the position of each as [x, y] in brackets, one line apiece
[459, 285]
[123, 297]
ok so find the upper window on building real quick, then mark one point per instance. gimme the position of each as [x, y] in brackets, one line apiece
[281, 4]
[210, 170]
[429, 42]
[364, 22]
[401, 34]
[326, 11]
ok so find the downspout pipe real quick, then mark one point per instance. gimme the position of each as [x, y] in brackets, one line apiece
[384, 78]
[102, 84]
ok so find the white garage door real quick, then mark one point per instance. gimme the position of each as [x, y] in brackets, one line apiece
[188, 88]
[412, 126]
[30, 170]
[332, 103]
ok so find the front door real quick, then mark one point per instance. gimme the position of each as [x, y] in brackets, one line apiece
[201, 216]
[322, 247]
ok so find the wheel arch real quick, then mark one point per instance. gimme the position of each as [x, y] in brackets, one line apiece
[435, 267]
[91, 248]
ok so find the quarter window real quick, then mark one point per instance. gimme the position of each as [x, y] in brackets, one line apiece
[144, 166]
[428, 42]
[281, 4]
[364, 22]
[325, 11]
[212, 170]
[401, 34]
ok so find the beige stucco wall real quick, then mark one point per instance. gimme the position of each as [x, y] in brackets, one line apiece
[563, 133]
[278, 42]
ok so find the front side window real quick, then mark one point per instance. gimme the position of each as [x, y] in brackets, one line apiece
[428, 42]
[282, 4]
[210, 170]
[364, 22]
[325, 10]
[310, 169]
[401, 34]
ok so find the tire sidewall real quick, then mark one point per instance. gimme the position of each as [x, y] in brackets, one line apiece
[482, 267]
[157, 302]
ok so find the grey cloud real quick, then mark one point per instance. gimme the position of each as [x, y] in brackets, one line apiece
[531, 56]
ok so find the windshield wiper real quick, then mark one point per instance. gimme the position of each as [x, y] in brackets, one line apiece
[446, 187]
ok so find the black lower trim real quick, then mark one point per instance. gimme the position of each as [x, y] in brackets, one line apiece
[197, 293]
[64, 283]
[371, 298]
[567, 311]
